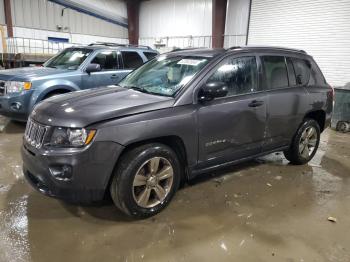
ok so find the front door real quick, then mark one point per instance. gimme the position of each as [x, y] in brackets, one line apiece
[232, 127]
[109, 74]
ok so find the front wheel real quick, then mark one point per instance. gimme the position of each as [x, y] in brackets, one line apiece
[304, 144]
[146, 180]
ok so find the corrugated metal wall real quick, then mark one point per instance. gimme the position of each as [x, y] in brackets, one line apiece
[45, 15]
[2, 14]
[175, 18]
[236, 22]
[320, 27]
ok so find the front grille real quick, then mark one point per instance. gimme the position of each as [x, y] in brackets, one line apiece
[35, 133]
[2, 88]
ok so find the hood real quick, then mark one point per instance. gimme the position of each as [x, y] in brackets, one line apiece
[83, 108]
[28, 73]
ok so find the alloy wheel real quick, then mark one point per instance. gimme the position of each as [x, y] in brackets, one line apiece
[308, 141]
[152, 182]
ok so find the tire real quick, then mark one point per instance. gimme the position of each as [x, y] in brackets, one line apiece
[129, 194]
[304, 144]
[342, 126]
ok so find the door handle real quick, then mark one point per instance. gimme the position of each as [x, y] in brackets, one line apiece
[256, 103]
[114, 76]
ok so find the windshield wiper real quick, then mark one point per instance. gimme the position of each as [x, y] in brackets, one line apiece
[135, 88]
[143, 90]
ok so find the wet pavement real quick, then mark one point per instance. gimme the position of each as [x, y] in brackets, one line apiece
[263, 210]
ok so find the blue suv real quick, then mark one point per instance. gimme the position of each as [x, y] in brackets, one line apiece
[73, 69]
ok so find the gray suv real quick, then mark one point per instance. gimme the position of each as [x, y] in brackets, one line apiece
[73, 69]
[182, 114]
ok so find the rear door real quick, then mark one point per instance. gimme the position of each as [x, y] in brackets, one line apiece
[149, 55]
[232, 127]
[286, 99]
[129, 60]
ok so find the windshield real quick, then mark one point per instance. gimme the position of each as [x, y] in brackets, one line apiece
[164, 76]
[70, 58]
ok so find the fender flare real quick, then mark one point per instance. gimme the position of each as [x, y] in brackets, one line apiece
[48, 87]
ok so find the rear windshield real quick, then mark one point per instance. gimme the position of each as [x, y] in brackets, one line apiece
[70, 58]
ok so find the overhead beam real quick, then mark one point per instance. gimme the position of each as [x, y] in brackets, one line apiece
[8, 17]
[133, 10]
[86, 8]
[218, 22]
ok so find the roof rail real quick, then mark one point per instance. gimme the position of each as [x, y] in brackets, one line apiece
[234, 47]
[267, 47]
[117, 44]
[186, 49]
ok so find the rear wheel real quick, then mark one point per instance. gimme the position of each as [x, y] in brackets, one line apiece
[146, 180]
[342, 126]
[304, 144]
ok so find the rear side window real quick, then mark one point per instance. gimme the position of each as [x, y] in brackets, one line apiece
[291, 73]
[275, 72]
[239, 74]
[131, 59]
[150, 55]
[302, 71]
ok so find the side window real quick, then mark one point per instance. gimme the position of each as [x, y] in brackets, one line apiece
[150, 55]
[275, 72]
[316, 77]
[291, 73]
[239, 74]
[107, 60]
[131, 59]
[302, 71]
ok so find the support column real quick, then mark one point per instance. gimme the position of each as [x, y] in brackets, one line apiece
[218, 22]
[8, 17]
[133, 9]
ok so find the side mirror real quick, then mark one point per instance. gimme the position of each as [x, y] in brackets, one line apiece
[212, 90]
[93, 68]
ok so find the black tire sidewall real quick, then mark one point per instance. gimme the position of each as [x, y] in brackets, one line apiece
[125, 178]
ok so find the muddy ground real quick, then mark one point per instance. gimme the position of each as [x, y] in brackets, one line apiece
[263, 210]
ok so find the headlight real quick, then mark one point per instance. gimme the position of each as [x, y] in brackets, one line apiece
[17, 87]
[71, 137]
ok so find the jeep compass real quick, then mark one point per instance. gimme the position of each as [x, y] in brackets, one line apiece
[179, 115]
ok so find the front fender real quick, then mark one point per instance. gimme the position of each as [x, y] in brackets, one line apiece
[51, 86]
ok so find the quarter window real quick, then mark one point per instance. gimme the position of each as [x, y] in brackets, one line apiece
[239, 74]
[316, 77]
[302, 71]
[107, 60]
[131, 59]
[275, 72]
